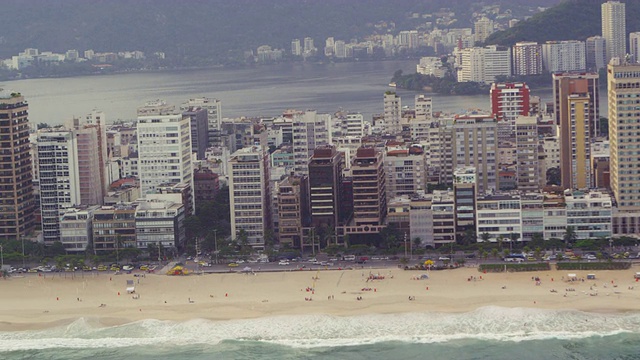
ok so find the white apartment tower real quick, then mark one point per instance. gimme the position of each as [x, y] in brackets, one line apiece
[567, 55]
[484, 64]
[164, 147]
[310, 130]
[614, 29]
[528, 170]
[392, 113]
[296, 49]
[475, 140]
[423, 107]
[57, 152]
[249, 194]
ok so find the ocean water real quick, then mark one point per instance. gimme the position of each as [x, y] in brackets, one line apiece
[486, 333]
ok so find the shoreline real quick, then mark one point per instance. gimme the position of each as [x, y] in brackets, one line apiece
[42, 302]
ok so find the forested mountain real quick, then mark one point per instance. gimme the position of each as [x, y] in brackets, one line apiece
[213, 29]
[570, 20]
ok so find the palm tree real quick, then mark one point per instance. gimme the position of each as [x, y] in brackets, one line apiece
[495, 252]
[485, 236]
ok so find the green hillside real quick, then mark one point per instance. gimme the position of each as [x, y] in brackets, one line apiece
[570, 20]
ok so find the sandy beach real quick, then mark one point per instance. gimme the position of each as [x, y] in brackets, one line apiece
[33, 301]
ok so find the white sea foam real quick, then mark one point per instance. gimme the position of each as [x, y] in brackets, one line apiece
[309, 331]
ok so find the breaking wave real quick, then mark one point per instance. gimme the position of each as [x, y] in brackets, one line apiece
[312, 331]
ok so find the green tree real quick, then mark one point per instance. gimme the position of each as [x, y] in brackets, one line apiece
[569, 236]
[485, 236]
[495, 252]
[417, 242]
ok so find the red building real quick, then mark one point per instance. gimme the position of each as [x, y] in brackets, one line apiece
[509, 100]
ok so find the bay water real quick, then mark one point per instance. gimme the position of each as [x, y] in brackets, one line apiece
[255, 91]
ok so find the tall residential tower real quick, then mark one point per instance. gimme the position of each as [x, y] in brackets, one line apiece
[614, 29]
[16, 192]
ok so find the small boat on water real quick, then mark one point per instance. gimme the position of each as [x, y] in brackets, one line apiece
[392, 84]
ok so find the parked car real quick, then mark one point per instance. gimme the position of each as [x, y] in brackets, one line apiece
[444, 258]
[283, 262]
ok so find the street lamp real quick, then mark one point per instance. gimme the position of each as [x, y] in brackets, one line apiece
[405, 245]
[22, 237]
[1, 258]
[215, 243]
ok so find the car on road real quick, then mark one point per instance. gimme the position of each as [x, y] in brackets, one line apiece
[232, 264]
[591, 257]
[444, 258]
[127, 268]
[283, 262]
[531, 258]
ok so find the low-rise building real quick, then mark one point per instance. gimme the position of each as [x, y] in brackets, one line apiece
[499, 217]
[76, 228]
[114, 227]
[160, 223]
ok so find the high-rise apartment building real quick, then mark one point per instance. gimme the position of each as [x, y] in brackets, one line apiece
[596, 53]
[164, 147]
[325, 187]
[634, 46]
[97, 118]
[57, 152]
[528, 170]
[214, 116]
[624, 141]
[310, 130]
[249, 194]
[423, 107]
[527, 58]
[579, 173]
[16, 193]
[614, 29]
[564, 86]
[308, 45]
[567, 55]
[440, 152]
[465, 194]
[405, 169]
[484, 64]
[296, 49]
[199, 130]
[293, 209]
[508, 102]
[369, 188]
[92, 190]
[475, 140]
[392, 113]
[482, 29]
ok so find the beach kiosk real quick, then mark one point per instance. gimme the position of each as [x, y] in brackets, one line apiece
[572, 277]
[591, 276]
